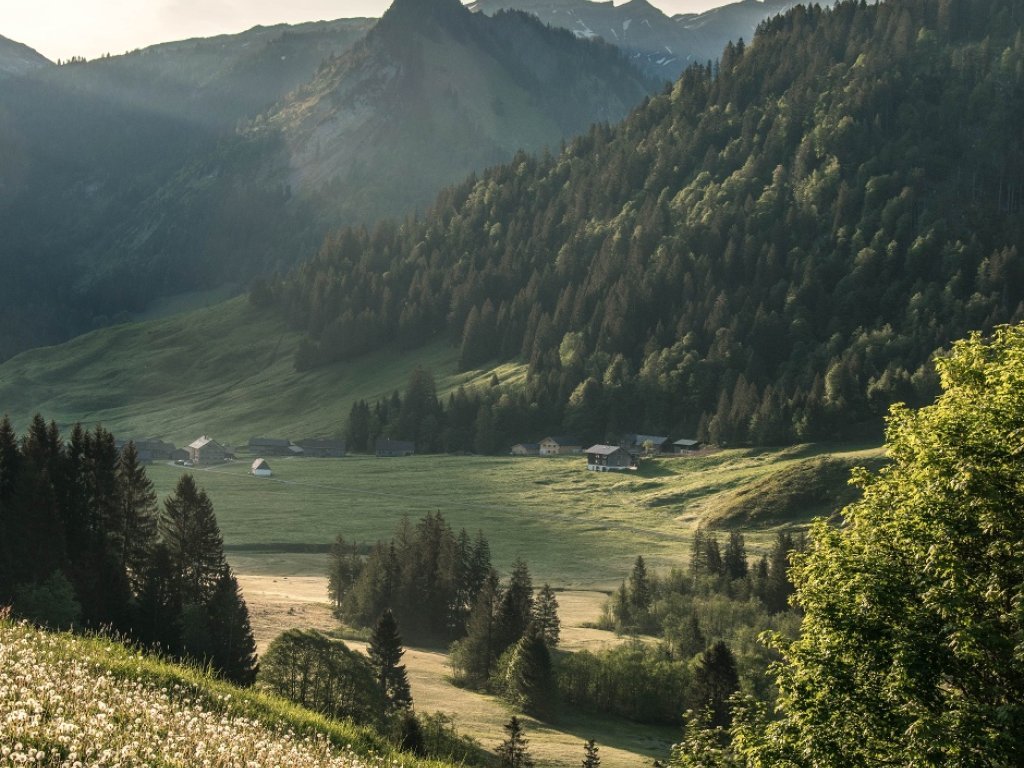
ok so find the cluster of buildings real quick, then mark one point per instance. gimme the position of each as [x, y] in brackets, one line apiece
[604, 457]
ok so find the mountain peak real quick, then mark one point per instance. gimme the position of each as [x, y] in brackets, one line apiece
[422, 10]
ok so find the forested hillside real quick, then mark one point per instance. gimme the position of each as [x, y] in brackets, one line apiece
[772, 250]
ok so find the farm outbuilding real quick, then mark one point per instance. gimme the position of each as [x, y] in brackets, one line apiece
[322, 448]
[260, 468]
[270, 446]
[687, 446]
[525, 449]
[649, 445]
[387, 447]
[561, 445]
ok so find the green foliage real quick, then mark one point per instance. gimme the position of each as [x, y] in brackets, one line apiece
[385, 652]
[528, 679]
[513, 752]
[322, 675]
[909, 650]
[545, 616]
[51, 603]
[590, 757]
[713, 265]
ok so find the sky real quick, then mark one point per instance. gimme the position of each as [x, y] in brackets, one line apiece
[60, 29]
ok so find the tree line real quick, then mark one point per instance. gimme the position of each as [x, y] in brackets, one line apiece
[84, 543]
[771, 250]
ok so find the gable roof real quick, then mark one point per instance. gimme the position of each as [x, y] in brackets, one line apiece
[260, 464]
[563, 440]
[269, 442]
[684, 443]
[202, 442]
[603, 450]
[656, 440]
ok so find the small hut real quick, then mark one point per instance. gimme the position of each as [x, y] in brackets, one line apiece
[260, 468]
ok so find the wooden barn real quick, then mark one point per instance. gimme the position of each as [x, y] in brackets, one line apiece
[525, 449]
[322, 448]
[386, 447]
[561, 445]
[270, 446]
[206, 450]
[260, 468]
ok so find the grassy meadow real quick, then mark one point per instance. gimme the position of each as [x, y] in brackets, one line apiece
[576, 529]
[224, 370]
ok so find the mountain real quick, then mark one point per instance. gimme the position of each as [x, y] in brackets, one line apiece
[18, 59]
[186, 166]
[662, 45]
[435, 93]
[772, 251]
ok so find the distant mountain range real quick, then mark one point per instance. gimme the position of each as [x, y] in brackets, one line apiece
[195, 164]
[660, 44]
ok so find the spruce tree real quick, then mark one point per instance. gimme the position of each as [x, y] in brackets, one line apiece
[545, 616]
[516, 609]
[640, 593]
[512, 752]
[529, 677]
[134, 534]
[385, 652]
[590, 756]
[189, 530]
[715, 680]
[734, 559]
[475, 655]
[232, 647]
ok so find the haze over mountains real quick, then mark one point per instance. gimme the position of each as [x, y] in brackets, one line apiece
[18, 59]
[663, 45]
[148, 174]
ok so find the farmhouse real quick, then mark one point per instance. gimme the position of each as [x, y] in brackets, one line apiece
[206, 450]
[319, 448]
[609, 458]
[682, 447]
[649, 445]
[270, 446]
[525, 449]
[386, 447]
[260, 468]
[561, 446]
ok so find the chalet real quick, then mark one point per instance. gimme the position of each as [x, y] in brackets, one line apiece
[525, 449]
[260, 468]
[270, 446]
[206, 450]
[386, 447]
[648, 445]
[609, 458]
[682, 447]
[561, 446]
[319, 448]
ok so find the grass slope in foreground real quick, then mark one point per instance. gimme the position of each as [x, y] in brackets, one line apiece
[224, 370]
[67, 700]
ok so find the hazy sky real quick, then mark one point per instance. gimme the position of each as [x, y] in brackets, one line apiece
[60, 29]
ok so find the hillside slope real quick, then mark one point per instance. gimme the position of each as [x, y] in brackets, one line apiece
[102, 700]
[773, 251]
[18, 59]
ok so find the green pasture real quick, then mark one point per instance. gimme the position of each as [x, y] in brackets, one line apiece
[575, 528]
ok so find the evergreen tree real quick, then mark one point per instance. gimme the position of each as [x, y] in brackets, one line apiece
[231, 643]
[590, 756]
[134, 534]
[512, 752]
[385, 652]
[516, 609]
[343, 571]
[640, 592]
[545, 616]
[715, 680]
[188, 528]
[734, 559]
[475, 656]
[529, 678]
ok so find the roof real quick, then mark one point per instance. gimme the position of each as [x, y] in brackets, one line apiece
[260, 464]
[563, 440]
[320, 442]
[526, 445]
[686, 443]
[202, 442]
[653, 439]
[270, 442]
[603, 450]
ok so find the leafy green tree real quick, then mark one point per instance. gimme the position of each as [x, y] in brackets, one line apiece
[385, 652]
[513, 752]
[343, 571]
[51, 603]
[909, 652]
